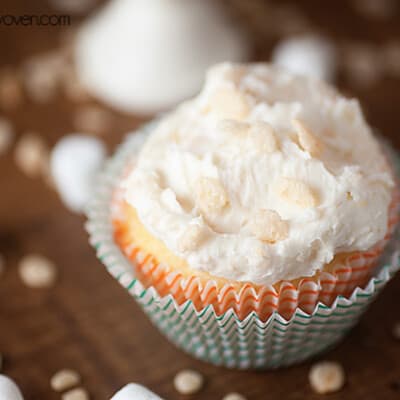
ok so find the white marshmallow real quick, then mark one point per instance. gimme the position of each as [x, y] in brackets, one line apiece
[74, 163]
[164, 48]
[8, 389]
[133, 391]
[308, 55]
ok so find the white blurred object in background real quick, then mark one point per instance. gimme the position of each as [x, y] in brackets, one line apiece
[310, 55]
[147, 55]
[133, 391]
[75, 161]
[8, 389]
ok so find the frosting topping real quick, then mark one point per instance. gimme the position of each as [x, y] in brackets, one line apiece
[264, 176]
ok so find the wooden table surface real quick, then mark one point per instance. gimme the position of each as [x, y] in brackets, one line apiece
[88, 322]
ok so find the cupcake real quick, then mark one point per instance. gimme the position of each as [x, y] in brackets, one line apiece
[266, 198]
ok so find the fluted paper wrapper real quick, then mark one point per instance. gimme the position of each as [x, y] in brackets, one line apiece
[226, 339]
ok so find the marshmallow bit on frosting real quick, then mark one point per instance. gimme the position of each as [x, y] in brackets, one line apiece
[264, 176]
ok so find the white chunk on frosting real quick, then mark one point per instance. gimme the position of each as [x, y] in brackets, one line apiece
[306, 139]
[210, 195]
[285, 148]
[297, 192]
[268, 226]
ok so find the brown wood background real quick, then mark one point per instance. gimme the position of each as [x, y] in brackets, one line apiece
[88, 322]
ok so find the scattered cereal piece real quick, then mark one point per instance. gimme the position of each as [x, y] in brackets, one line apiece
[188, 381]
[8, 389]
[362, 65]
[326, 377]
[297, 192]
[229, 104]
[76, 394]
[191, 238]
[64, 379]
[263, 136]
[233, 127]
[42, 74]
[10, 89]
[234, 396]
[31, 154]
[74, 162]
[309, 55]
[6, 135]
[211, 195]
[92, 119]
[268, 226]
[396, 331]
[37, 272]
[133, 391]
[377, 9]
[307, 140]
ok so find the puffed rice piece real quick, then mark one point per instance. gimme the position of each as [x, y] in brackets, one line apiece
[263, 136]
[326, 377]
[210, 194]
[31, 154]
[229, 104]
[76, 394]
[37, 271]
[64, 379]
[297, 192]
[188, 381]
[307, 140]
[268, 226]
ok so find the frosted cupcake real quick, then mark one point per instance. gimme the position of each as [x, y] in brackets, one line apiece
[255, 223]
[265, 193]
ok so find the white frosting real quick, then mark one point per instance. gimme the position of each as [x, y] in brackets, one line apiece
[333, 202]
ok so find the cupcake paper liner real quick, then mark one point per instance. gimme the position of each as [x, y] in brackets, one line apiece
[224, 337]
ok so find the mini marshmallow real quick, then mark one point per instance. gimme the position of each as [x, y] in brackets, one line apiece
[8, 389]
[133, 391]
[74, 163]
[164, 48]
[308, 55]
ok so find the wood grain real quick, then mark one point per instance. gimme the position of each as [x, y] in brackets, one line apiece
[88, 322]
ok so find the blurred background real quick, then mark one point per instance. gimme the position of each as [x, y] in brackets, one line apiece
[100, 69]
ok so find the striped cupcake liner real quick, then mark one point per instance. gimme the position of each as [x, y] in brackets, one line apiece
[226, 338]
